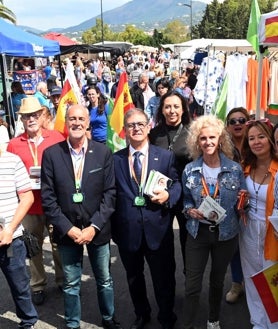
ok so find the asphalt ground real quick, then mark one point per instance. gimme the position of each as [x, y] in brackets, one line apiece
[234, 316]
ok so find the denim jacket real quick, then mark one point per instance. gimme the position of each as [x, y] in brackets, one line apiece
[230, 179]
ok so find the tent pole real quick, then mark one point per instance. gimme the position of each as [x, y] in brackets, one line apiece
[60, 68]
[7, 104]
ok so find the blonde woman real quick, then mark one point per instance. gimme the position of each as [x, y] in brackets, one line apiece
[211, 176]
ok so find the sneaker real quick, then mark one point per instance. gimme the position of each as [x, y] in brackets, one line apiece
[111, 324]
[235, 292]
[38, 297]
[213, 325]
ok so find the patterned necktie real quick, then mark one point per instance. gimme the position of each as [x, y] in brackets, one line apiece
[137, 166]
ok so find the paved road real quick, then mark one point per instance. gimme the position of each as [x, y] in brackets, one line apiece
[51, 313]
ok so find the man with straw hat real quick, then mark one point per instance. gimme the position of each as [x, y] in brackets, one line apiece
[29, 146]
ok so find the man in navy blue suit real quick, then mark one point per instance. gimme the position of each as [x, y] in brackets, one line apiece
[142, 225]
[78, 196]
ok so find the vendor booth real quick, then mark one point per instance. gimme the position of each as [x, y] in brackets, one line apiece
[18, 43]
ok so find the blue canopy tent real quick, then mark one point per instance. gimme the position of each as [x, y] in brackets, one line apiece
[16, 42]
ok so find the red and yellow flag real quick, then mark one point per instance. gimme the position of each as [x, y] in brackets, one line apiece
[266, 283]
[123, 103]
[268, 29]
[67, 99]
[271, 29]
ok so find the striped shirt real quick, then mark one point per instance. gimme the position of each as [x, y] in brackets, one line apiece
[14, 180]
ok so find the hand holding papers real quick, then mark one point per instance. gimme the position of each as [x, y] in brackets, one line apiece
[156, 181]
[212, 211]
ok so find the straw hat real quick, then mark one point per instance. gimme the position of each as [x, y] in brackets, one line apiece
[29, 105]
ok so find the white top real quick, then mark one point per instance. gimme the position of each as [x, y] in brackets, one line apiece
[261, 199]
[14, 180]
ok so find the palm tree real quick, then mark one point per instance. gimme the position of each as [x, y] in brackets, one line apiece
[6, 13]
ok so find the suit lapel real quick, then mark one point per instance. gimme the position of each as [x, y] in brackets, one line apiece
[154, 159]
[124, 165]
[89, 161]
[67, 158]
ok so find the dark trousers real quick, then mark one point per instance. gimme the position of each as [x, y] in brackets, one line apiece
[197, 253]
[237, 275]
[177, 212]
[162, 267]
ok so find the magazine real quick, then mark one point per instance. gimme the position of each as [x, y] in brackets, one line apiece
[156, 180]
[212, 211]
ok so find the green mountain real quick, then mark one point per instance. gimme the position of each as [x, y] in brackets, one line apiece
[145, 14]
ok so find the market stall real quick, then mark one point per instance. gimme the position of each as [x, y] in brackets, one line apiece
[16, 42]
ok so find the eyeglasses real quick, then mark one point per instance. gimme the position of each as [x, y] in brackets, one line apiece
[134, 125]
[35, 115]
[234, 121]
[265, 120]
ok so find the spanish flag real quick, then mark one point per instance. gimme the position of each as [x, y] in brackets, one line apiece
[123, 103]
[271, 29]
[266, 282]
[67, 99]
[268, 29]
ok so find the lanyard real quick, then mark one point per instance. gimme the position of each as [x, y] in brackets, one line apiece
[34, 153]
[78, 172]
[206, 189]
[143, 175]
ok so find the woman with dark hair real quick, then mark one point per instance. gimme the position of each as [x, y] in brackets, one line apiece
[99, 110]
[172, 119]
[161, 88]
[258, 243]
[235, 125]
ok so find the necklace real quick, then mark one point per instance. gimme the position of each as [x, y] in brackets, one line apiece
[257, 191]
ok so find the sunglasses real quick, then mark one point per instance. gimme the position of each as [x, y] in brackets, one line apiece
[265, 120]
[34, 115]
[234, 121]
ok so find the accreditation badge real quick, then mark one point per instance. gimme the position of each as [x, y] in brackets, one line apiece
[77, 197]
[140, 201]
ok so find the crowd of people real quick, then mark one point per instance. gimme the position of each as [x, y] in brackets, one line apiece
[84, 195]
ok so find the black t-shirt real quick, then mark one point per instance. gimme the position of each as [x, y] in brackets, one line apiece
[163, 136]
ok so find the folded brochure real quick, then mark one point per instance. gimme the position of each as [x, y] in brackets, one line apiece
[156, 180]
[212, 210]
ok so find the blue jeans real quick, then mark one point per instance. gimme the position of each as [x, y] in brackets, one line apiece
[14, 269]
[72, 260]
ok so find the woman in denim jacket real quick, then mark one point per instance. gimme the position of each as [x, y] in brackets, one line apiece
[213, 174]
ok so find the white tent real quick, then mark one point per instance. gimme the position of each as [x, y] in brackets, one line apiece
[215, 44]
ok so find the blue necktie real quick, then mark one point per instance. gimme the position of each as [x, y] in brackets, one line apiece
[137, 166]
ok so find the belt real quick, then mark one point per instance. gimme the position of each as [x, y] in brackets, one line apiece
[211, 227]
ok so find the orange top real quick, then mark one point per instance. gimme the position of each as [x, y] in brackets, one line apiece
[252, 84]
[271, 243]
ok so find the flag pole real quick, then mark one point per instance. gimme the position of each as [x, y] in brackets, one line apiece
[259, 87]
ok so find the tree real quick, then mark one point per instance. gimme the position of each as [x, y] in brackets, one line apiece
[175, 32]
[97, 32]
[229, 19]
[134, 35]
[6, 13]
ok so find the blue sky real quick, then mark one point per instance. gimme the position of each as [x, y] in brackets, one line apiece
[48, 14]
